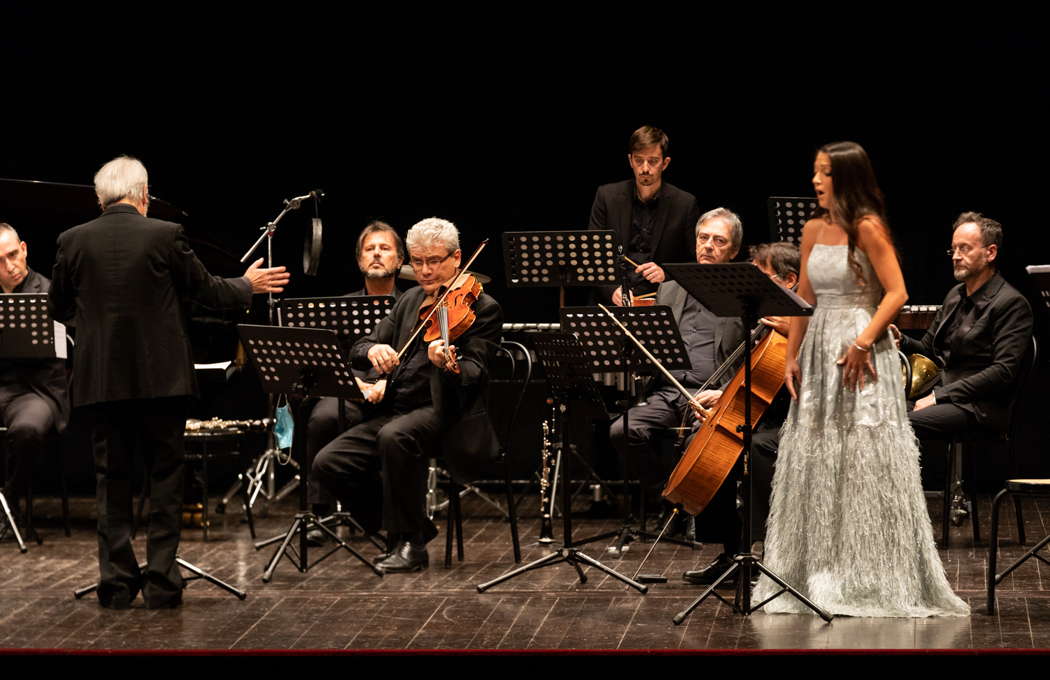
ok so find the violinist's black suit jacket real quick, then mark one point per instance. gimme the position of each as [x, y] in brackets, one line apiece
[459, 400]
[983, 365]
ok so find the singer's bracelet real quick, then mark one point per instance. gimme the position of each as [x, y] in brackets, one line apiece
[862, 349]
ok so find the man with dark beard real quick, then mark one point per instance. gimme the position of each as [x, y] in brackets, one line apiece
[979, 337]
[380, 254]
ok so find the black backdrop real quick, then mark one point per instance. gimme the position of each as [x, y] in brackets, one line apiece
[502, 122]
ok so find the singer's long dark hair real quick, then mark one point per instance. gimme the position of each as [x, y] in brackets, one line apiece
[856, 195]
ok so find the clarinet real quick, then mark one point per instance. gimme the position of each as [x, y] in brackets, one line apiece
[546, 465]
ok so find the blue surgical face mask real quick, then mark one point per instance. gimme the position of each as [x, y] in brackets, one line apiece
[284, 427]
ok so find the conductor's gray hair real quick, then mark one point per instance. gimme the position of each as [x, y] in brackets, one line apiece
[433, 231]
[122, 178]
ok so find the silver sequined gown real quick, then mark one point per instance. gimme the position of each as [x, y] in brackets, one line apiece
[848, 524]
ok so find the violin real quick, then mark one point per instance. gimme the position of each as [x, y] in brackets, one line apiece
[454, 307]
[454, 302]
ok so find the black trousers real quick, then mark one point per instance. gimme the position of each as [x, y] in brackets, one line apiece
[663, 409]
[151, 430]
[942, 422]
[28, 418]
[378, 471]
[722, 514]
[322, 426]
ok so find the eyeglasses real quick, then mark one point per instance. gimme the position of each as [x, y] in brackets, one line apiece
[718, 241]
[430, 262]
[964, 249]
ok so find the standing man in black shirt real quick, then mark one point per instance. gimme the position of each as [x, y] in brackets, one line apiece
[979, 337]
[653, 219]
[378, 469]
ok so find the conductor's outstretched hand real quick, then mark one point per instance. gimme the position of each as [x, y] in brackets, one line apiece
[266, 280]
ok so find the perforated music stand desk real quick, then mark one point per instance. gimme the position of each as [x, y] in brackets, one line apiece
[568, 370]
[604, 341]
[351, 317]
[742, 290]
[559, 259]
[27, 331]
[304, 362]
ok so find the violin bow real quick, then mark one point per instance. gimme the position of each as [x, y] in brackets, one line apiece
[656, 362]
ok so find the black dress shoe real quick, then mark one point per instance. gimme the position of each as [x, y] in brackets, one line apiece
[710, 573]
[405, 558]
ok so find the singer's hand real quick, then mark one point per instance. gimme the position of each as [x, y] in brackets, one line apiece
[793, 377]
[266, 280]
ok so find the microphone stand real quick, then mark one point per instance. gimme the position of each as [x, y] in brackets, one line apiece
[264, 467]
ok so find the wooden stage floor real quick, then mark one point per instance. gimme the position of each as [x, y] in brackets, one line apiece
[341, 605]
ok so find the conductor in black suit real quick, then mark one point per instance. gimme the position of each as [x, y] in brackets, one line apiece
[653, 219]
[378, 468]
[125, 281]
[33, 399]
[979, 337]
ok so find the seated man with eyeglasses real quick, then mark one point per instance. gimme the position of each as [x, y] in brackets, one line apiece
[378, 468]
[979, 338]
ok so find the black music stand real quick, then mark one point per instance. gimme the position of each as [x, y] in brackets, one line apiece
[568, 370]
[741, 289]
[559, 259]
[609, 349]
[27, 331]
[304, 362]
[787, 216]
[351, 317]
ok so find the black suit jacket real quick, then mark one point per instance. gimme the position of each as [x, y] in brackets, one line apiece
[126, 280]
[982, 370]
[46, 378]
[674, 227]
[459, 400]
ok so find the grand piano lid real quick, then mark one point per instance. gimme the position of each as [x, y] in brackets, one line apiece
[30, 200]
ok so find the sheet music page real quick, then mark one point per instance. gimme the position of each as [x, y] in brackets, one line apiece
[61, 348]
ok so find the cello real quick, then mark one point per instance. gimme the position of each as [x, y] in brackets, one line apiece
[714, 450]
[717, 445]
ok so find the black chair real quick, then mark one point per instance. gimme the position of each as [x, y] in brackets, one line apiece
[1016, 489]
[53, 448]
[455, 489]
[968, 483]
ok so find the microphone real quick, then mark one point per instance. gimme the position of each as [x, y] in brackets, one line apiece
[316, 194]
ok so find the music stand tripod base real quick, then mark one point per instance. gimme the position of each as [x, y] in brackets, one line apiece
[303, 362]
[197, 572]
[569, 377]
